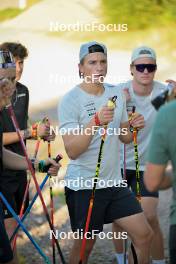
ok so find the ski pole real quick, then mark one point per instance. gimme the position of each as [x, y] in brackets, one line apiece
[51, 202]
[124, 177]
[136, 158]
[13, 118]
[111, 103]
[46, 259]
[29, 207]
[138, 194]
[26, 193]
[59, 157]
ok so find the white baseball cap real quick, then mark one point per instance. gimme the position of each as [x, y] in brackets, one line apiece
[85, 49]
[143, 52]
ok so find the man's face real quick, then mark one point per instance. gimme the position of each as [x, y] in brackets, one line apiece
[94, 67]
[144, 76]
[19, 67]
[7, 85]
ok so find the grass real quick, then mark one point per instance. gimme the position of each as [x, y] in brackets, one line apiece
[22, 259]
[10, 13]
[139, 14]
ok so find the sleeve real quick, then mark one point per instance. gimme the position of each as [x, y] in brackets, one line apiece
[68, 113]
[158, 152]
[124, 117]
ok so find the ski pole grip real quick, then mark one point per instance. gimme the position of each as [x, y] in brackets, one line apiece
[111, 102]
[44, 168]
[58, 158]
[133, 109]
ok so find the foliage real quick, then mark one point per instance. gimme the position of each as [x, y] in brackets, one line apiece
[10, 13]
[139, 14]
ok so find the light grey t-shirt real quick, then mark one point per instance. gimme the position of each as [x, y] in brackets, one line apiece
[144, 107]
[77, 109]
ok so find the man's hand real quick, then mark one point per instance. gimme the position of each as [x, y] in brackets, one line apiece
[137, 121]
[51, 137]
[106, 115]
[53, 170]
[6, 92]
[44, 130]
[173, 93]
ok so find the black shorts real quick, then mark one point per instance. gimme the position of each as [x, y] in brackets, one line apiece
[131, 180]
[109, 204]
[13, 188]
[6, 253]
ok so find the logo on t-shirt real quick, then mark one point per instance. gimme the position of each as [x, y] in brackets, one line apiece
[90, 108]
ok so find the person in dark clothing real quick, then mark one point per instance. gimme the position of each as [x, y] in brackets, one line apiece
[6, 254]
[13, 182]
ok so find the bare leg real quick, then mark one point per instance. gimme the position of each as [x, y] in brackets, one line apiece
[140, 233]
[149, 205]
[75, 252]
[118, 243]
[10, 225]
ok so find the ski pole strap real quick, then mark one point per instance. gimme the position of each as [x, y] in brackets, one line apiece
[97, 120]
[129, 120]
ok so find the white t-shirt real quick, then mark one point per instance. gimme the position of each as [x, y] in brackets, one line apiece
[76, 109]
[144, 107]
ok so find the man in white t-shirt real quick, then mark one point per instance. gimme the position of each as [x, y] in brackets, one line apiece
[139, 92]
[85, 107]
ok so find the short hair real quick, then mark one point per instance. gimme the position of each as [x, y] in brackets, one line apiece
[16, 48]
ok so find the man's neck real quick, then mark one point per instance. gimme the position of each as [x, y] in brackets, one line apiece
[93, 88]
[142, 90]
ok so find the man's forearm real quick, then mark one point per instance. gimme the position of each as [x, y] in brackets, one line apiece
[128, 138]
[166, 182]
[167, 179]
[14, 161]
[75, 145]
[11, 137]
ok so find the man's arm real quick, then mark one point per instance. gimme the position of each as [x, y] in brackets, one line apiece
[11, 137]
[14, 161]
[153, 176]
[75, 145]
[43, 131]
[128, 138]
[156, 177]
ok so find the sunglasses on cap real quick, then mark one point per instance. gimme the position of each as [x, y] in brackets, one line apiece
[6, 60]
[142, 67]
